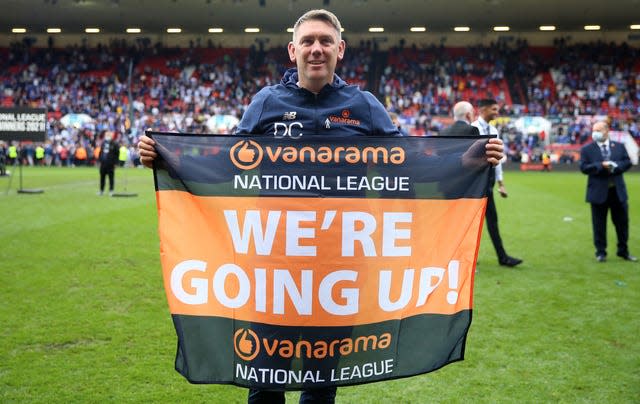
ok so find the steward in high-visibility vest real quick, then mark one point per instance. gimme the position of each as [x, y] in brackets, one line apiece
[81, 156]
[546, 162]
[39, 155]
[123, 155]
[13, 154]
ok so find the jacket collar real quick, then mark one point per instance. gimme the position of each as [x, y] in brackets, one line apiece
[290, 80]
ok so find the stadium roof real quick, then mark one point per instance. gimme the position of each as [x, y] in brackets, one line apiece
[275, 16]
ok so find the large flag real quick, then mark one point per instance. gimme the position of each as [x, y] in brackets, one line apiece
[320, 261]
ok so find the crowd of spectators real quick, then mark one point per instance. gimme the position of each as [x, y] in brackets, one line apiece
[130, 87]
[419, 83]
[584, 79]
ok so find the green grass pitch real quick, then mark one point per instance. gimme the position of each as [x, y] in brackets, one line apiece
[85, 319]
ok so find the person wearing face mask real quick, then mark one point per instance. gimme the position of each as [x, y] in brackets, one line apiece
[604, 161]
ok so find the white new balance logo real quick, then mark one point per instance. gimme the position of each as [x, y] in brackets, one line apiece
[289, 116]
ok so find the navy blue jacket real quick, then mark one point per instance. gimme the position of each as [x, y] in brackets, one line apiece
[286, 110]
[599, 177]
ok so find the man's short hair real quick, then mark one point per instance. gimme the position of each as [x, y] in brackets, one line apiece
[322, 15]
[486, 102]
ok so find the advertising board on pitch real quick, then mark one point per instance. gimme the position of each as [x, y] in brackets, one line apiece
[23, 124]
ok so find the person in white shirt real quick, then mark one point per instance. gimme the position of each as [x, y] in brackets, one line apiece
[488, 111]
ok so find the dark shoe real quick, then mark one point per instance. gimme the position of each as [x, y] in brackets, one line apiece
[510, 261]
[628, 257]
[601, 258]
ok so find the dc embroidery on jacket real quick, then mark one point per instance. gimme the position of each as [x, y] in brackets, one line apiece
[291, 129]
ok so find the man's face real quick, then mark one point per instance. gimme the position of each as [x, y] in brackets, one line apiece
[490, 112]
[316, 51]
[601, 127]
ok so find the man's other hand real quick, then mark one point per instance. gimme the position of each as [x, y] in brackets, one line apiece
[147, 151]
[493, 153]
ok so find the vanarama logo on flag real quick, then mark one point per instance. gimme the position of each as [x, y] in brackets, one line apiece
[248, 154]
[334, 261]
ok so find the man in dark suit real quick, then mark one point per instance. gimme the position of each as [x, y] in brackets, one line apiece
[463, 115]
[604, 161]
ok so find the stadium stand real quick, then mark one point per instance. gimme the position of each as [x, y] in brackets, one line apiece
[189, 89]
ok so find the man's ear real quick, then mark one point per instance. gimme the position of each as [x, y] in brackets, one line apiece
[341, 47]
[292, 51]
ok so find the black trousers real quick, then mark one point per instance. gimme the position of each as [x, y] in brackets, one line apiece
[317, 395]
[106, 170]
[619, 217]
[492, 226]
[324, 395]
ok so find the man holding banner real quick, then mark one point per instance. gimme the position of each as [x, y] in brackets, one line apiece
[312, 238]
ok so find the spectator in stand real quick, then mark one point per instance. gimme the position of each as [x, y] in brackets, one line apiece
[48, 153]
[27, 154]
[63, 154]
